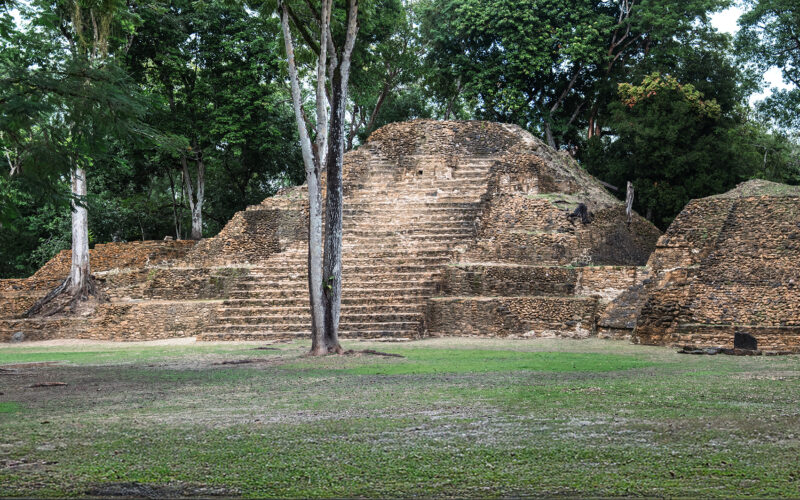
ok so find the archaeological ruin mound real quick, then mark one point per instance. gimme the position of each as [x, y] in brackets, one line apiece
[451, 228]
[728, 264]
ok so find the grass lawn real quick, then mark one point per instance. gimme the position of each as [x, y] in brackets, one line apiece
[453, 417]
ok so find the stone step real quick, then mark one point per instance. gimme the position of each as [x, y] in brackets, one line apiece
[431, 196]
[366, 236]
[383, 275]
[402, 185]
[424, 204]
[347, 318]
[302, 300]
[399, 191]
[306, 326]
[393, 224]
[347, 309]
[387, 281]
[440, 252]
[398, 212]
[271, 267]
[427, 163]
[366, 266]
[301, 291]
[364, 228]
[266, 336]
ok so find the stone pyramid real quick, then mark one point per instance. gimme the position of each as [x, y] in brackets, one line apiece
[431, 208]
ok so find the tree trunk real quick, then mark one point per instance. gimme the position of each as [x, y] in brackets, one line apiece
[548, 132]
[629, 201]
[79, 273]
[315, 283]
[196, 197]
[314, 197]
[332, 267]
[174, 206]
[450, 102]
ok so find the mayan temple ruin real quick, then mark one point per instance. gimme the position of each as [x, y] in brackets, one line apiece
[451, 228]
[455, 228]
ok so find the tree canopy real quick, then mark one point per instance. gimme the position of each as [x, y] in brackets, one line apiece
[180, 111]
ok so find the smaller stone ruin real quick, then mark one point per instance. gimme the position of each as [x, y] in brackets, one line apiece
[727, 270]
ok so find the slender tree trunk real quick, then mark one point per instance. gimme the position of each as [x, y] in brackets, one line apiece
[196, 197]
[314, 197]
[79, 273]
[548, 132]
[174, 206]
[629, 201]
[387, 86]
[332, 266]
[450, 102]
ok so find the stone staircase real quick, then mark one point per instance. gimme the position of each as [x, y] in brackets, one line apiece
[400, 229]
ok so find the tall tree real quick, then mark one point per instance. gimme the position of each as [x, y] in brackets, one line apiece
[216, 70]
[88, 102]
[386, 78]
[673, 143]
[331, 46]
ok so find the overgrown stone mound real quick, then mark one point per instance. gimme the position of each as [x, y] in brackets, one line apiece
[450, 228]
[728, 264]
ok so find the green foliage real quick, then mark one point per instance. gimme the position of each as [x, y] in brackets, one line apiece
[550, 66]
[675, 145]
[159, 78]
[215, 70]
[769, 37]
[656, 83]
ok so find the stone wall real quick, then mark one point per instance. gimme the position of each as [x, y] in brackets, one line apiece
[491, 298]
[258, 232]
[167, 283]
[511, 316]
[119, 321]
[499, 279]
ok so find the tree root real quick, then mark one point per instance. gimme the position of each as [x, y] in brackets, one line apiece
[59, 298]
[325, 350]
[352, 352]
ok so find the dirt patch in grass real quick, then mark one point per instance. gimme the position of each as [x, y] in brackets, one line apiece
[139, 490]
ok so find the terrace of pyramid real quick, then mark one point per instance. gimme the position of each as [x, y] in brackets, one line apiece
[450, 228]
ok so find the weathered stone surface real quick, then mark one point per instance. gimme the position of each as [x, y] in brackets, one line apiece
[473, 213]
[728, 263]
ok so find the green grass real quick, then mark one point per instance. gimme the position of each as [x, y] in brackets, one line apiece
[9, 407]
[428, 361]
[454, 417]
